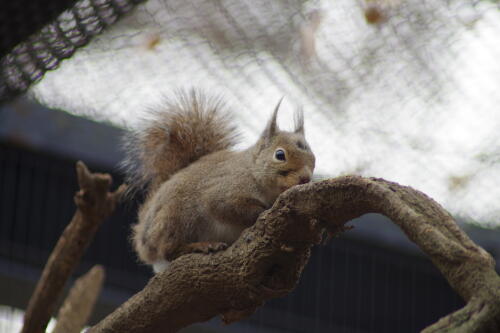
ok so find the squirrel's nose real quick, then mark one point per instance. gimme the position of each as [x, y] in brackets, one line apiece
[304, 179]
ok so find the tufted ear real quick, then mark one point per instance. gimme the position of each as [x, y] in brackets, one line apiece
[299, 121]
[272, 126]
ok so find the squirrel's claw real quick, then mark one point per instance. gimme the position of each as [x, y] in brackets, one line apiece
[208, 247]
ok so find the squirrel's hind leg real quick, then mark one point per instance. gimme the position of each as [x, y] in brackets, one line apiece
[200, 247]
[205, 247]
[197, 247]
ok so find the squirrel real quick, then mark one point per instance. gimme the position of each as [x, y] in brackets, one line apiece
[201, 194]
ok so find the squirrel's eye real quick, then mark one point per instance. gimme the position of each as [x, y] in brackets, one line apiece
[280, 155]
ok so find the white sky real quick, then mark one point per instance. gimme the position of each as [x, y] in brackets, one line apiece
[11, 320]
[370, 107]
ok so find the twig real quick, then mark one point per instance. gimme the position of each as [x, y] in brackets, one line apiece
[94, 203]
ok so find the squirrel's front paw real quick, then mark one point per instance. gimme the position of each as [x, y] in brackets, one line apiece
[207, 247]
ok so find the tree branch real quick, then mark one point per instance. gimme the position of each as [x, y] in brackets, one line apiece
[94, 203]
[80, 301]
[268, 258]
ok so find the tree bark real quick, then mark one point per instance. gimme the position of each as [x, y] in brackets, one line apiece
[94, 203]
[80, 302]
[268, 258]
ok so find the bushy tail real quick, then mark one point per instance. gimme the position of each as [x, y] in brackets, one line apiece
[175, 135]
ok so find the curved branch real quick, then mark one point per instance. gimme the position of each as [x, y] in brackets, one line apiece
[268, 258]
[94, 203]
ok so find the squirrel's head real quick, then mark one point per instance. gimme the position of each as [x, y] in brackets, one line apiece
[284, 159]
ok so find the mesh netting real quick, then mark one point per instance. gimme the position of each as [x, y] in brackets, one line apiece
[21, 18]
[43, 51]
[405, 90]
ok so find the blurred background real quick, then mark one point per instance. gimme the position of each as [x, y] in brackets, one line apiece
[405, 90]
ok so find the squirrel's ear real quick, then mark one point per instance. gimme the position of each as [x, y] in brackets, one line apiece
[299, 121]
[272, 127]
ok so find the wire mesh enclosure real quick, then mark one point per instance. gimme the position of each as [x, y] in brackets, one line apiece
[405, 90]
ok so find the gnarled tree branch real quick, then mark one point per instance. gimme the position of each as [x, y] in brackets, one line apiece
[94, 203]
[268, 258]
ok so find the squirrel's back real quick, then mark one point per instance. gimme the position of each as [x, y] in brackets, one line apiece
[172, 137]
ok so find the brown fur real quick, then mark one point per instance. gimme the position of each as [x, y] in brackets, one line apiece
[206, 204]
[175, 135]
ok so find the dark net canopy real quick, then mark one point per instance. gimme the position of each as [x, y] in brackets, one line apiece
[406, 90]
